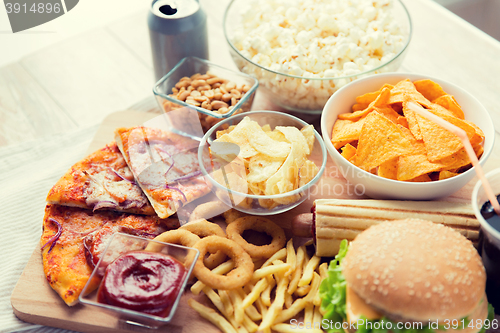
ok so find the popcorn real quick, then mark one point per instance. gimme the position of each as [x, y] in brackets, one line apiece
[314, 39]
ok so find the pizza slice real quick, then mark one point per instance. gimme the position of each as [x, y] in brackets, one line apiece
[74, 237]
[165, 165]
[101, 180]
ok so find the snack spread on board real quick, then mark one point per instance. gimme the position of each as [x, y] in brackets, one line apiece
[261, 281]
[269, 162]
[383, 136]
[395, 262]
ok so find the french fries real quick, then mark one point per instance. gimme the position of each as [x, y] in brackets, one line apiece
[281, 288]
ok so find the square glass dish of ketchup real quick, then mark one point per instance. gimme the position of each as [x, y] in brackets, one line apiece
[140, 279]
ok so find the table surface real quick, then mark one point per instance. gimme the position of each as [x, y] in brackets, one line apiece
[73, 84]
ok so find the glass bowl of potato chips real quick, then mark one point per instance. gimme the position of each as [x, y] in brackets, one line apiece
[262, 162]
[378, 143]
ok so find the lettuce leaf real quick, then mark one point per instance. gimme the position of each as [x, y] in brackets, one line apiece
[332, 291]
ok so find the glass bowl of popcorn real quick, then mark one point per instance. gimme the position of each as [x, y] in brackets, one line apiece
[302, 51]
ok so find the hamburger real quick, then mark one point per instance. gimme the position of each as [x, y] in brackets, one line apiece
[406, 275]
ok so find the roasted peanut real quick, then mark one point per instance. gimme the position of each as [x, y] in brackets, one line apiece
[219, 104]
[226, 97]
[198, 83]
[183, 95]
[215, 80]
[210, 92]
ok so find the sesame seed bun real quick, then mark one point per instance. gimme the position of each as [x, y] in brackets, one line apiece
[416, 271]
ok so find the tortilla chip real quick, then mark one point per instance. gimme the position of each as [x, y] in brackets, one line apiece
[372, 96]
[348, 151]
[346, 131]
[439, 142]
[359, 107]
[445, 174]
[389, 169]
[413, 166]
[411, 118]
[430, 89]
[449, 103]
[405, 91]
[380, 141]
[421, 179]
[380, 101]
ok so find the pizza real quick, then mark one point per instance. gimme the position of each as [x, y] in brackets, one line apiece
[74, 238]
[165, 165]
[102, 180]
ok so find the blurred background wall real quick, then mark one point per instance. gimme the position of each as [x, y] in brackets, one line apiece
[484, 14]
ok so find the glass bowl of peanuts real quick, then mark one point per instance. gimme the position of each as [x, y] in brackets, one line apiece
[213, 91]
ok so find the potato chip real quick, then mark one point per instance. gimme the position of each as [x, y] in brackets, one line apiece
[255, 188]
[284, 179]
[389, 169]
[348, 151]
[293, 135]
[430, 89]
[266, 128]
[449, 103]
[405, 91]
[380, 141]
[308, 132]
[269, 162]
[262, 143]
[277, 136]
[307, 172]
[445, 174]
[261, 167]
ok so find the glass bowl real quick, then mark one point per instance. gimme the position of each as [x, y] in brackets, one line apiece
[307, 92]
[259, 204]
[192, 65]
[121, 244]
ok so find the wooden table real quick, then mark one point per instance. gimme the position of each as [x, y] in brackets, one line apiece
[79, 82]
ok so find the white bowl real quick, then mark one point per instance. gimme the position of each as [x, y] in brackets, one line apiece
[383, 188]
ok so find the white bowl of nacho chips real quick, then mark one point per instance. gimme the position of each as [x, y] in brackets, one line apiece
[264, 162]
[379, 144]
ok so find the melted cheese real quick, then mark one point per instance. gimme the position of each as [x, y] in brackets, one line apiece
[356, 307]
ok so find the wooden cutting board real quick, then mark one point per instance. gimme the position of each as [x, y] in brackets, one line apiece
[34, 301]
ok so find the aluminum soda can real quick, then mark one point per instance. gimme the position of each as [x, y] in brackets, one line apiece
[177, 29]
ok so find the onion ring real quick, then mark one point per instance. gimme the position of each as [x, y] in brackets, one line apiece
[207, 210]
[203, 228]
[261, 224]
[178, 236]
[236, 278]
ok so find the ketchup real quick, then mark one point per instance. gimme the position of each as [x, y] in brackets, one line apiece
[147, 282]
